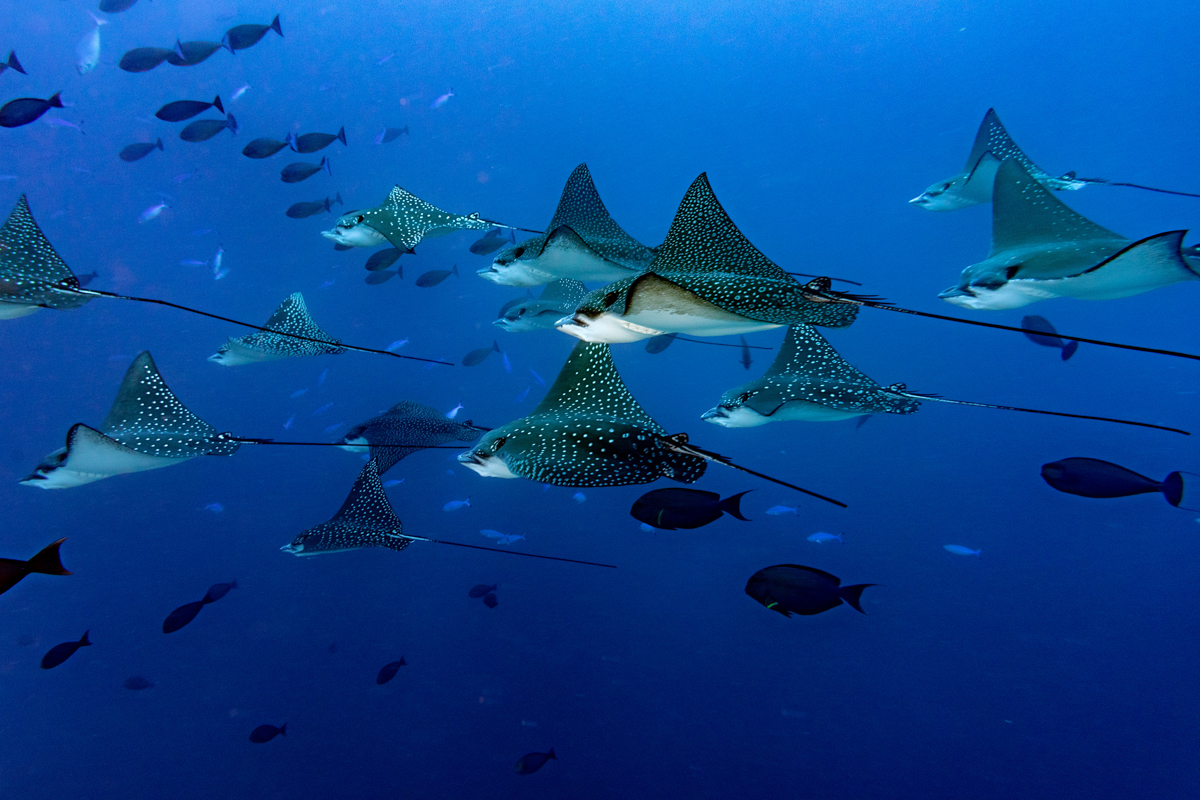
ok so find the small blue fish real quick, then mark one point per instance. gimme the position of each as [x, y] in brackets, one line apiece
[335, 426]
[327, 284]
[537, 377]
[287, 426]
[396, 345]
[221, 273]
[384, 60]
[183, 176]
[299, 393]
[321, 378]
[152, 212]
[322, 409]
[522, 395]
[219, 258]
[775, 511]
[492, 534]
[821, 537]
[579, 497]
[454, 505]
[646, 528]
[390, 484]
[452, 413]
[959, 550]
[191, 262]
[442, 100]
[237, 93]
[216, 508]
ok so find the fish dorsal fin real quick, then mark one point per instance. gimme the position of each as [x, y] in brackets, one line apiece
[590, 386]
[367, 504]
[703, 239]
[993, 141]
[404, 219]
[292, 318]
[805, 353]
[1025, 213]
[834, 578]
[148, 417]
[29, 265]
[564, 291]
[581, 209]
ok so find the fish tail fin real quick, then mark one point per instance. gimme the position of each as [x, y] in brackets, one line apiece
[55, 101]
[496, 346]
[283, 727]
[1176, 489]
[325, 164]
[454, 270]
[731, 505]
[98, 20]
[551, 754]
[217, 103]
[403, 663]
[342, 134]
[159, 144]
[338, 199]
[405, 129]
[231, 123]
[13, 63]
[178, 48]
[227, 44]
[291, 140]
[275, 25]
[1069, 349]
[852, 594]
[84, 641]
[47, 561]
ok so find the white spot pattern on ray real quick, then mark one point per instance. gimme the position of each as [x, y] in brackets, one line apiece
[406, 219]
[291, 319]
[30, 267]
[366, 519]
[409, 423]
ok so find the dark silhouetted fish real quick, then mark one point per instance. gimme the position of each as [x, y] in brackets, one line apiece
[1046, 336]
[307, 209]
[477, 357]
[383, 259]
[490, 600]
[558, 298]
[291, 317]
[669, 509]
[136, 152]
[793, 589]
[243, 36]
[46, 562]
[144, 59]
[706, 279]
[265, 733]
[480, 589]
[582, 242]
[204, 129]
[25, 110]
[1091, 477]
[388, 134]
[180, 110]
[532, 762]
[312, 142]
[61, 652]
[410, 424]
[1042, 249]
[376, 278]
[189, 54]
[404, 220]
[217, 591]
[809, 382]
[116, 6]
[435, 276]
[388, 671]
[146, 428]
[14, 64]
[182, 616]
[137, 683]
[492, 241]
[263, 148]
[302, 170]
[656, 344]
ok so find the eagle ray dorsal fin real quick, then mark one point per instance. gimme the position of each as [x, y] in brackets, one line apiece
[589, 385]
[703, 239]
[1024, 212]
[293, 317]
[581, 209]
[404, 219]
[806, 354]
[30, 266]
[367, 505]
[145, 407]
[993, 140]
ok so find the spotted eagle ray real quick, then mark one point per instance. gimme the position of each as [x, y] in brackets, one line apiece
[590, 431]
[582, 242]
[404, 429]
[560, 297]
[809, 382]
[278, 341]
[404, 220]
[707, 279]
[366, 519]
[33, 276]
[992, 147]
[1043, 249]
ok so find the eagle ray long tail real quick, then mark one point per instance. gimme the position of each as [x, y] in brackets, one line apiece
[253, 440]
[722, 344]
[1106, 182]
[509, 552]
[837, 297]
[692, 450]
[98, 293]
[511, 228]
[934, 398]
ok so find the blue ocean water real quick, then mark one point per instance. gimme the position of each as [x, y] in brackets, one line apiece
[1058, 664]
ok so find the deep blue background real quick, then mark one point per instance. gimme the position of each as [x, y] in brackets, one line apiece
[1060, 664]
